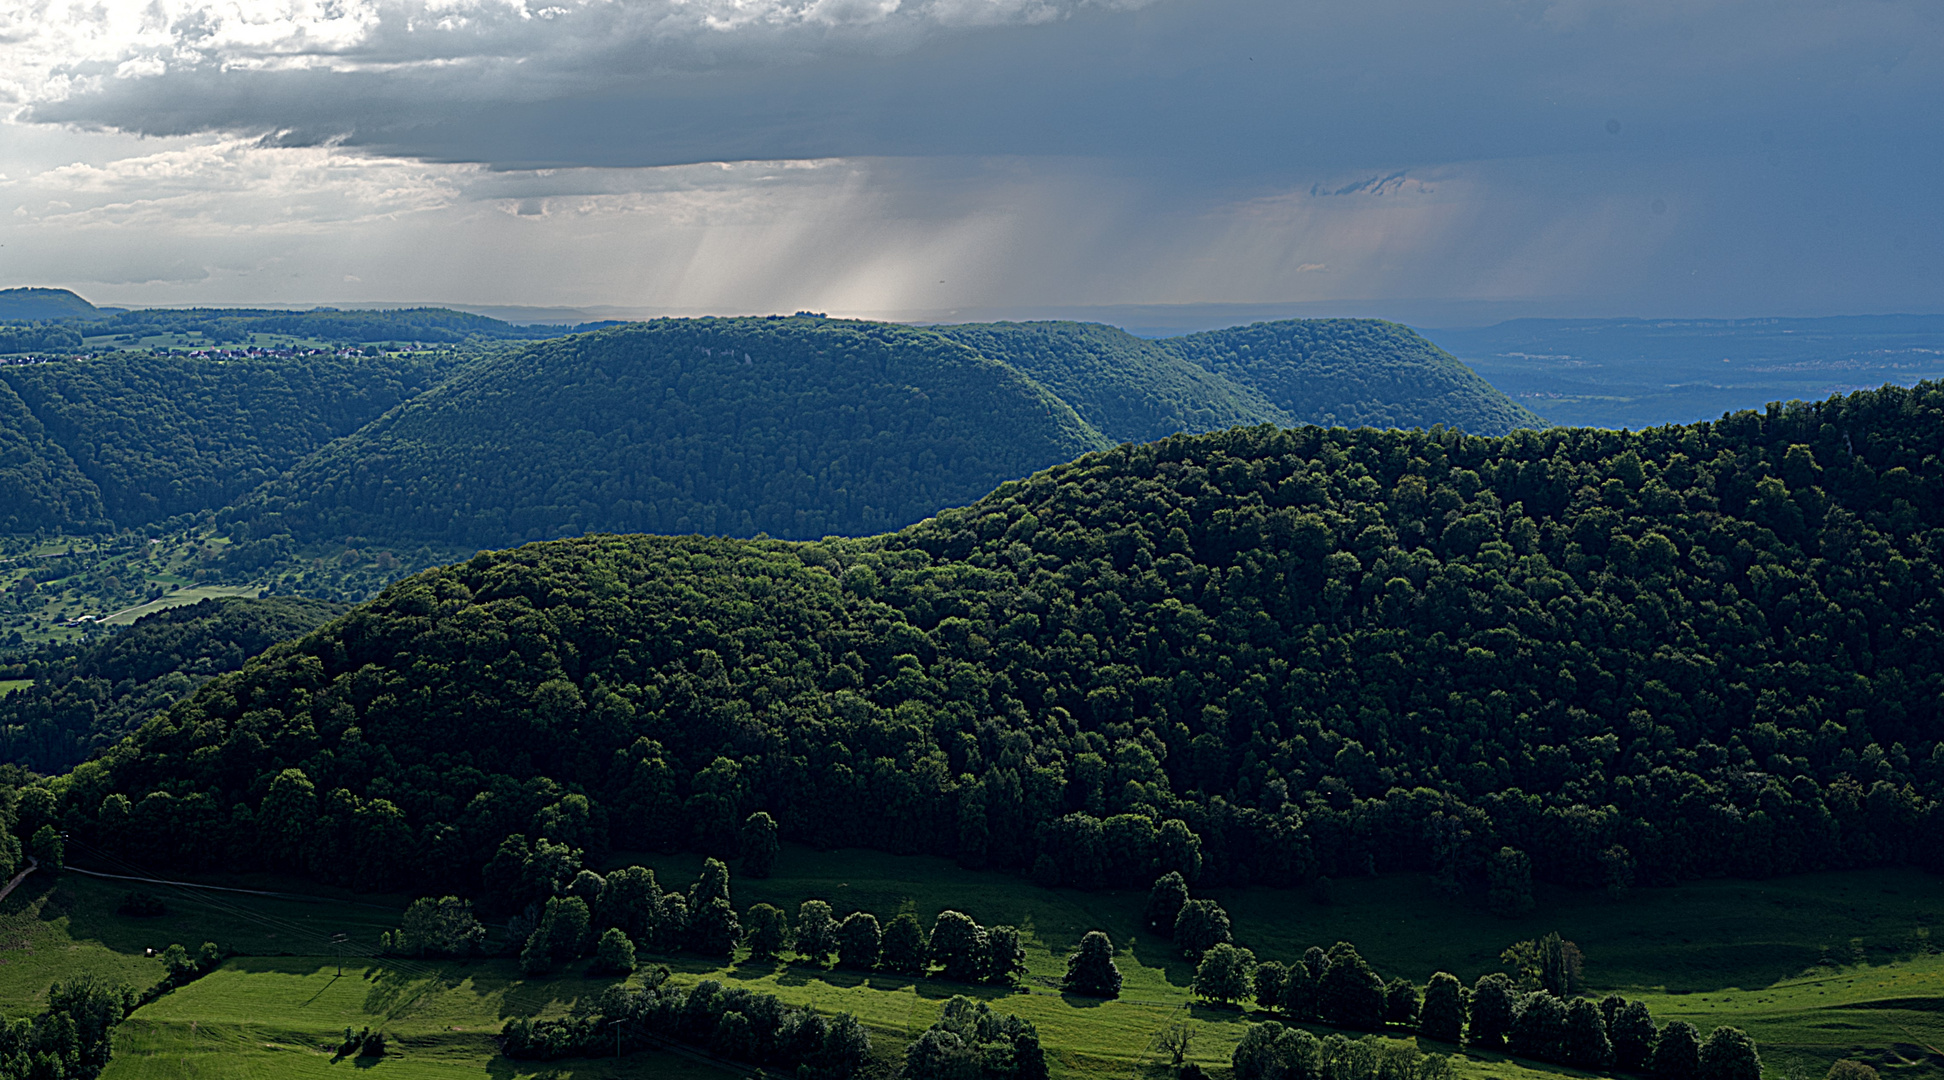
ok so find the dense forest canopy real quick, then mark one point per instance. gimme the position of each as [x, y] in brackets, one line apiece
[1130, 389]
[1354, 373]
[86, 697]
[40, 487]
[798, 427]
[1256, 655]
[158, 436]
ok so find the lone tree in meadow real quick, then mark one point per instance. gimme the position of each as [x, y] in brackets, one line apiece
[759, 845]
[1441, 1015]
[1090, 968]
[1164, 903]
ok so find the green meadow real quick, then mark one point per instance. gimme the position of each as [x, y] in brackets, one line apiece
[1815, 967]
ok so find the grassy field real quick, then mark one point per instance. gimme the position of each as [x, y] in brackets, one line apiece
[1815, 967]
[180, 598]
[8, 686]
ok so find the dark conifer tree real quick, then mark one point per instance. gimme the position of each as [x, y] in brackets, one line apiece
[759, 845]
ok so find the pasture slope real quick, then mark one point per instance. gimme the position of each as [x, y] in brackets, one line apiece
[1814, 967]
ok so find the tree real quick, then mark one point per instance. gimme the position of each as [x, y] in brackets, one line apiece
[711, 884]
[1305, 976]
[1164, 903]
[1587, 1043]
[1201, 925]
[859, 941]
[714, 929]
[1633, 1035]
[759, 844]
[1728, 1054]
[1539, 1029]
[561, 934]
[1441, 1016]
[816, 931]
[1005, 956]
[48, 847]
[1677, 1053]
[1492, 1008]
[1850, 1069]
[1350, 994]
[1509, 877]
[632, 900]
[1400, 1002]
[614, 954]
[1091, 971]
[1177, 1038]
[1223, 974]
[1548, 963]
[439, 927]
[1271, 985]
[767, 932]
[959, 944]
[904, 946]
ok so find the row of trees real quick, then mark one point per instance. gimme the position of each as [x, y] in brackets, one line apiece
[1270, 1051]
[735, 1022]
[1537, 1017]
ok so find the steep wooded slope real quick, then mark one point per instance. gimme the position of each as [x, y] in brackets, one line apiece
[796, 427]
[167, 435]
[1130, 389]
[1354, 373]
[40, 488]
[88, 697]
[1653, 656]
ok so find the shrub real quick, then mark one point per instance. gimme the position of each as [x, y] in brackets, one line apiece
[615, 953]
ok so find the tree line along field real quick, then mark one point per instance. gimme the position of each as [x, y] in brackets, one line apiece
[1815, 968]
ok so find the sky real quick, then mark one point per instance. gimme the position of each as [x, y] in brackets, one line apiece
[1444, 162]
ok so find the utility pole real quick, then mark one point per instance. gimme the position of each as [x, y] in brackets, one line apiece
[338, 942]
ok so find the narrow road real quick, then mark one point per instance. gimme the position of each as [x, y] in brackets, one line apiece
[32, 865]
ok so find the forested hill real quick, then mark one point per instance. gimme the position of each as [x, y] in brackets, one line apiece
[798, 427]
[156, 436]
[1129, 388]
[88, 697]
[1267, 654]
[1354, 373]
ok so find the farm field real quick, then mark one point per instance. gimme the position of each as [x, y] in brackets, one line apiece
[1815, 968]
[179, 598]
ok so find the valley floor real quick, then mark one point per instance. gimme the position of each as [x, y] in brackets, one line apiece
[1815, 968]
